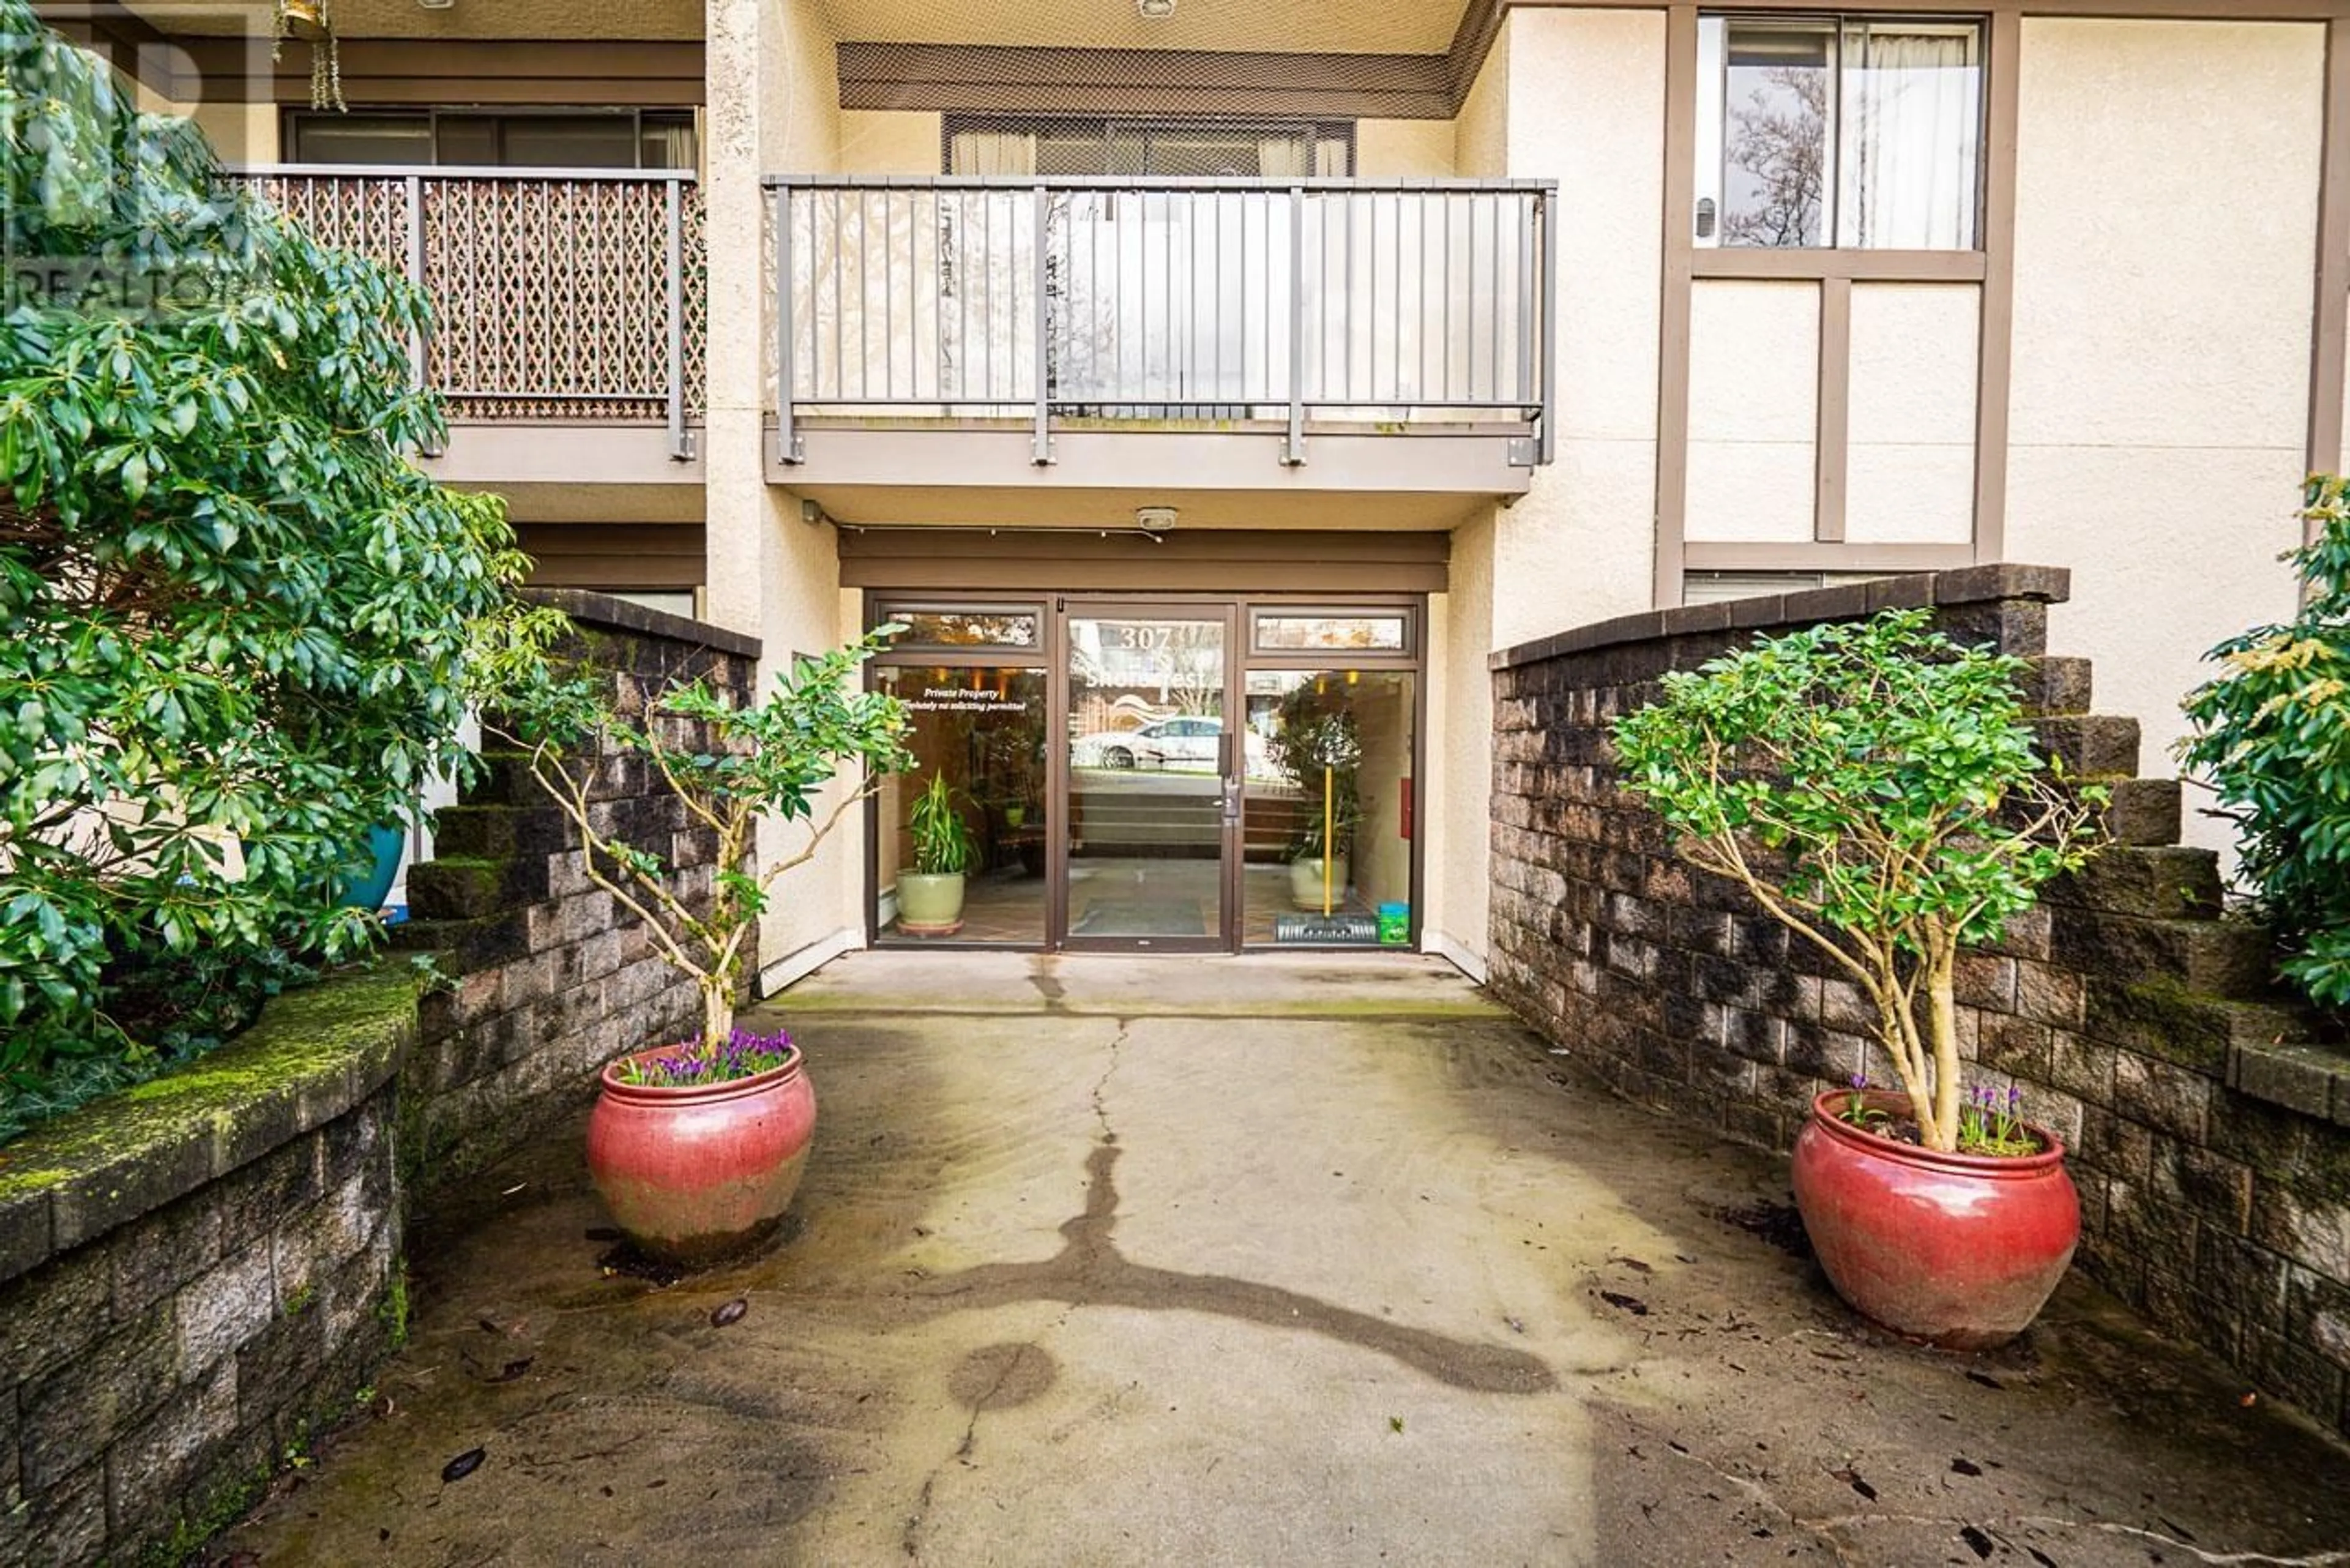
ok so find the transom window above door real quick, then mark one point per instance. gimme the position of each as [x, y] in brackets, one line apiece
[1271, 150]
[1839, 131]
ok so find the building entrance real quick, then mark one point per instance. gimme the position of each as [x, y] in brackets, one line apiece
[1160, 773]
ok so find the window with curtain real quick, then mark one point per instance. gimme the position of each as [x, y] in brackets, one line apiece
[1839, 131]
[1177, 149]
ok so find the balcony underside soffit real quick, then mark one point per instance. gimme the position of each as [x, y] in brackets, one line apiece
[650, 20]
[1083, 511]
[1301, 27]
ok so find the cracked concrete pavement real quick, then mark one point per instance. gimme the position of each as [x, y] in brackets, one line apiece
[1293, 1259]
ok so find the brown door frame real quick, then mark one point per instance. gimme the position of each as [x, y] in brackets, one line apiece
[1225, 609]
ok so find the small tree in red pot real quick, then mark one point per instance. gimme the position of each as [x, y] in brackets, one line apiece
[1876, 789]
[697, 1146]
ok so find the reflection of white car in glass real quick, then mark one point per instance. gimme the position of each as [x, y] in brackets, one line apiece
[1188, 743]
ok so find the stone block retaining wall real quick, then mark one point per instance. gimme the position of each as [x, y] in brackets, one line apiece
[553, 980]
[2209, 1129]
[197, 1275]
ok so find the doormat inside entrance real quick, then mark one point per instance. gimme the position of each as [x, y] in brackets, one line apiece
[1140, 917]
[1326, 928]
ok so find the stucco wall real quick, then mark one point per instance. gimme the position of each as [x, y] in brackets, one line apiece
[1754, 370]
[1460, 753]
[1404, 149]
[1481, 133]
[1585, 107]
[890, 142]
[1911, 474]
[240, 133]
[2166, 216]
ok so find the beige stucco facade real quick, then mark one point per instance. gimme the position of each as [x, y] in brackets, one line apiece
[2162, 338]
[2141, 311]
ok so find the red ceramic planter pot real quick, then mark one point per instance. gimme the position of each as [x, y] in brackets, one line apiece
[697, 1174]
[1960, 1249]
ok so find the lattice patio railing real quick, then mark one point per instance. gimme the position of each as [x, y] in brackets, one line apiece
[569, 297]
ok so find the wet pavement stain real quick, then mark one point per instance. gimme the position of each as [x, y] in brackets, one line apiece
[1001, 1376]
[1048, 985]
[1089, 1271]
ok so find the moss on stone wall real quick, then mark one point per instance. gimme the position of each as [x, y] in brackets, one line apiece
[312, 1055]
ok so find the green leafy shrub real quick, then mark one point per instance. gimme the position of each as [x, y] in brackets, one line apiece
[1874, 786]
[234, 616]
[2273, 736]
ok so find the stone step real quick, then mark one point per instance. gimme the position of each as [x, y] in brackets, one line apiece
[2158, 882]
[2144, 811]
[2161, 1019]
[2053, 687]
[2311, 1079]
[495, 832]
[2091, 746]
[454, 888]
[471, 945]
[2225, 959]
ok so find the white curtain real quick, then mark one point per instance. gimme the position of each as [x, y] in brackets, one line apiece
[1912, 100]
[992, 152]
[1284, 156]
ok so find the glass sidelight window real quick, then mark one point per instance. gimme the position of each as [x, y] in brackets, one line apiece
[1850, 132]
[978, 740]
[1329, 833]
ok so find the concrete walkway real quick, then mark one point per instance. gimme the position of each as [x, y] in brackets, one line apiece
[1280, 1260]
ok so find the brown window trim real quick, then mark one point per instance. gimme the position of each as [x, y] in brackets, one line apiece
[291, 117]
[1991, 267]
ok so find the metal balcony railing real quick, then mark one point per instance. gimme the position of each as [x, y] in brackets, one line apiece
[558, 296]
[1397, 303]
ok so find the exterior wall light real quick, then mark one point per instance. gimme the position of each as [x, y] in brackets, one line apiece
[1155, 10]
[1156, 521]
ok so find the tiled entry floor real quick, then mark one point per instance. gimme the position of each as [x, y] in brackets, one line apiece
[1147, 897]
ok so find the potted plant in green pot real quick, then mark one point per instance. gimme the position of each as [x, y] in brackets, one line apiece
[696, 1145]
[929, 896]
[1316, 744]
[1874, 787]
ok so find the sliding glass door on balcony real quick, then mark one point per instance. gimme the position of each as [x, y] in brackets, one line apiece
[1164, 297]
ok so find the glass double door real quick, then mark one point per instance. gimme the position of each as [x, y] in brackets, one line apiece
[1153, 777]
